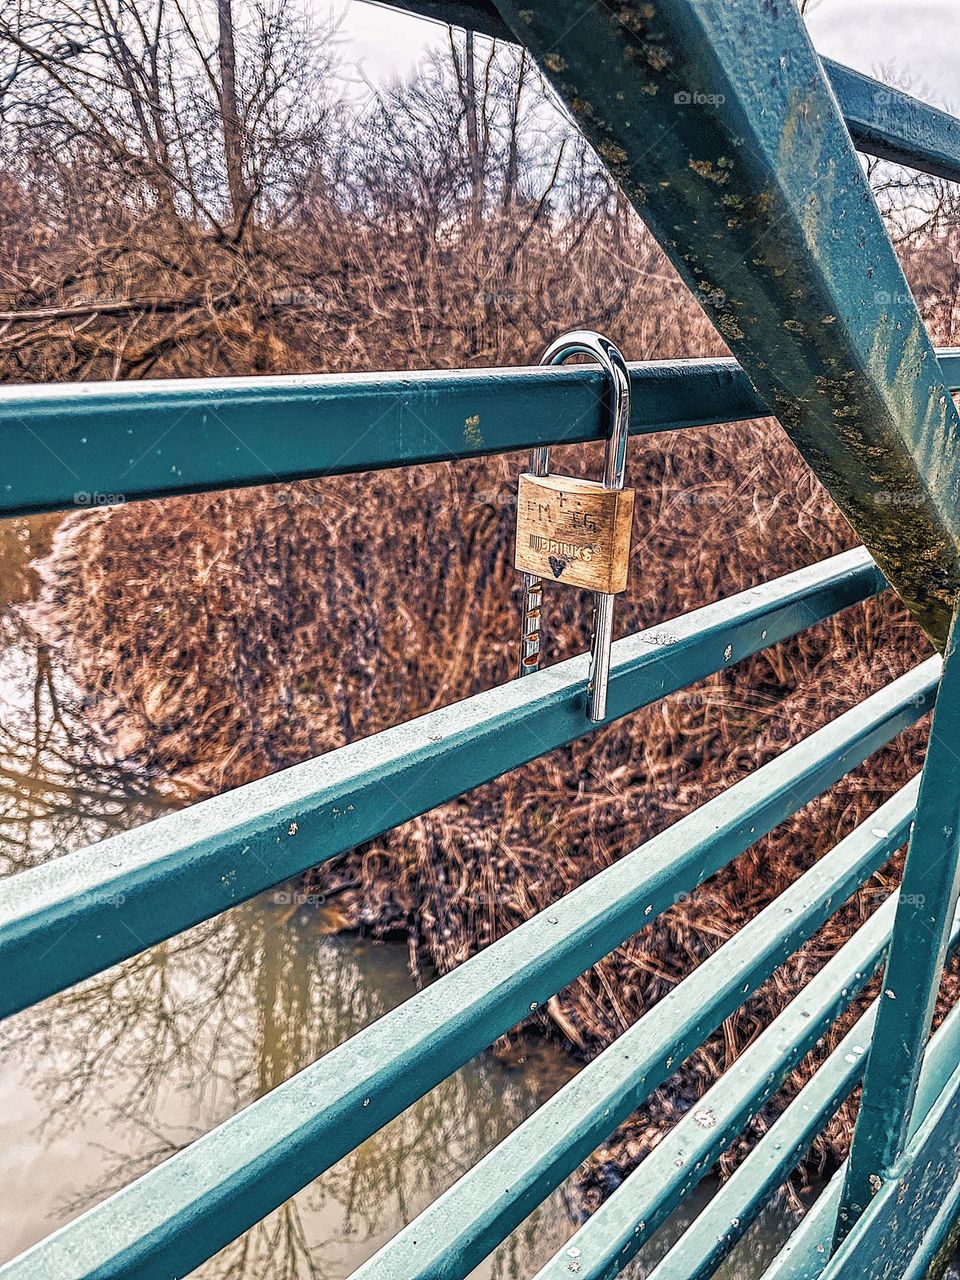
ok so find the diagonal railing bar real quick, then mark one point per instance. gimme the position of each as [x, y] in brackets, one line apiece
[617, 1231]
[81, 444]
[718, 123]
[59, 922]
[453, 1235]
[720, 1226]
[185, 1210]
[883, 121]
[930, 888]
[806, 1253]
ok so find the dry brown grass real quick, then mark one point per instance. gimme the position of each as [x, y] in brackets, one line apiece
[221, 637]
[227, 636]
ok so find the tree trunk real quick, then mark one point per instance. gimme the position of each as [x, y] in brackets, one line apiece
[474, 159]
[240, 196]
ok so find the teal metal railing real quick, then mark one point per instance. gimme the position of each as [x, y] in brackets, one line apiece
[891, 1210]
[167, 875]
[158, 438]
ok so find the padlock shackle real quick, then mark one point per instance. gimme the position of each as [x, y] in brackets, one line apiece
[584, 342]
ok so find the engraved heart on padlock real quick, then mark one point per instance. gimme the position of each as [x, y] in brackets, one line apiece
[558, 565]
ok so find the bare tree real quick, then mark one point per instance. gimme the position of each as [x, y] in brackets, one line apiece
[233, 141]
[147, 141]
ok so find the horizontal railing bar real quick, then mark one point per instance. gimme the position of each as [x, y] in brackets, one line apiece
[455, 1233]
[892, 125]
[619, 1228]
[128, 440]
[882, 121]
[189, 1207]
[739, 1202]
[93, 443]
[135, 889]
[805, 1254]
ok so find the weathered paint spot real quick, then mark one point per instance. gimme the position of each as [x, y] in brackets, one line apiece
[471, 431]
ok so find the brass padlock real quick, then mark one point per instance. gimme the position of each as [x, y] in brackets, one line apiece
[577, 532]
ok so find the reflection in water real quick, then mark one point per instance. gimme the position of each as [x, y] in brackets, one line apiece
[56, 790]
[103, 1082]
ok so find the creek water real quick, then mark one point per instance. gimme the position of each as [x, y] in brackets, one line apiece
[101, 1083]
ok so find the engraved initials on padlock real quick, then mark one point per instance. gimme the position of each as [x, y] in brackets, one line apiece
[577, 532]
[574, 531]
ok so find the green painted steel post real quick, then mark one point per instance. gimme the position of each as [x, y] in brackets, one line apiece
[928, 899]
[718, 122]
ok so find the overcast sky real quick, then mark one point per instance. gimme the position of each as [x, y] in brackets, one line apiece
[918, 39]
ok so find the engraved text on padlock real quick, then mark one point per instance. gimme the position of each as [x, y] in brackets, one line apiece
[574, 531]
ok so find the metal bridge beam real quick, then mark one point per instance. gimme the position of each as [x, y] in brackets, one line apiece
[928, 900]
[718, 122]
[883, 121]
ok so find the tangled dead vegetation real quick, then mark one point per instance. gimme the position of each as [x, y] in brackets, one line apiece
[221, 637]
[226, 636]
